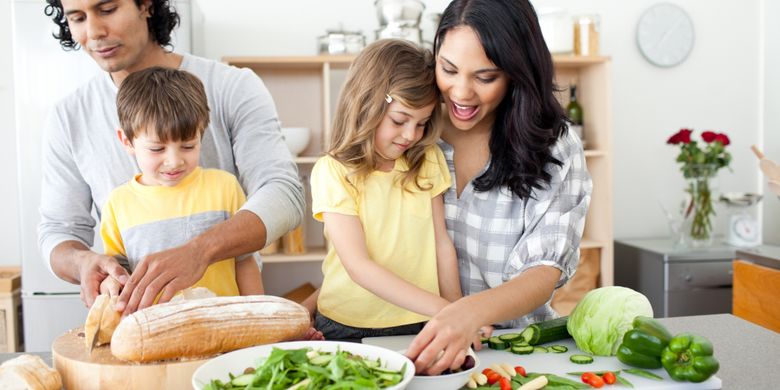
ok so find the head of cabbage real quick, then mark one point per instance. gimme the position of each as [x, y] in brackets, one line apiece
[600, 319]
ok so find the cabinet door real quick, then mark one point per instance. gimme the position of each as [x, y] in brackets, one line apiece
[756, 294]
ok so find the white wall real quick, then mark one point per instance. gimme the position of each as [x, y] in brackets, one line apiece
[771, 115]
[10, 248]
[716, 88]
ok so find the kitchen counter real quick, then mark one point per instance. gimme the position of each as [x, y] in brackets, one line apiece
[766, 255]
[747, 352]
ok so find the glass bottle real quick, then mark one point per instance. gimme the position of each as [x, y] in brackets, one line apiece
[574, 112]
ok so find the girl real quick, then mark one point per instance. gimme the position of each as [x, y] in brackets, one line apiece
[391, 264]
[521, 190]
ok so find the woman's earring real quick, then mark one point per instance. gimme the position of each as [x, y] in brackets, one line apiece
[388, 98]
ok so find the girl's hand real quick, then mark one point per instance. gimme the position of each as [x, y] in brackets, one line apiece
[449, 333]
[484, 332]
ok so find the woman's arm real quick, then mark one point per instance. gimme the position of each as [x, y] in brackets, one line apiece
[446, 259]
[248, 277]
[453, 328]
[346, 234]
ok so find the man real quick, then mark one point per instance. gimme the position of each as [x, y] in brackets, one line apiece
[83, 161]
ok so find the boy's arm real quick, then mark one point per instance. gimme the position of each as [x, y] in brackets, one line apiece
[248, 277]
[346, 233]
[446, 258]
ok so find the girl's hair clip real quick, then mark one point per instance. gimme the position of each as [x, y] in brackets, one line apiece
[388, 98]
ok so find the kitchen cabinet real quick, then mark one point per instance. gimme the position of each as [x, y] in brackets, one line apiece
[757, 286]
[305, 90]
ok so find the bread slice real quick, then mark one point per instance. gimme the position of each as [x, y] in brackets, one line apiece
[205, 327]
[29, 372]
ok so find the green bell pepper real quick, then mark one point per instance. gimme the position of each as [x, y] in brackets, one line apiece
[688, 357]
[642, 345]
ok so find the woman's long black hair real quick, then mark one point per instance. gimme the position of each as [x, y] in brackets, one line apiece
[529, 120]
[163, 20]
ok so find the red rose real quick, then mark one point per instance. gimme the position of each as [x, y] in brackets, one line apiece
[723, 139]
[709, 136]
[682, 136]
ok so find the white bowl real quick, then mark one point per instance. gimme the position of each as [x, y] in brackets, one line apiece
[296, 138]
[444, 382]
[237, 361]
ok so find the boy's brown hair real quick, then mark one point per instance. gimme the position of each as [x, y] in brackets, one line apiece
[170, 102]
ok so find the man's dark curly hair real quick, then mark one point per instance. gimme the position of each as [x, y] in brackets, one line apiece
[163, 20]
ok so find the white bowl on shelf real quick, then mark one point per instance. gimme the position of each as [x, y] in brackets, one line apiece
[296, 138]
[237, 361]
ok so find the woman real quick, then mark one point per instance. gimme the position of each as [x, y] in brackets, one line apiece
[521, 190]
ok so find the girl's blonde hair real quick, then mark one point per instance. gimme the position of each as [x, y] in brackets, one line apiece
[391, 67]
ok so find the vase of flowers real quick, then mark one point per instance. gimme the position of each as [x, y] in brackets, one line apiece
[699, 164]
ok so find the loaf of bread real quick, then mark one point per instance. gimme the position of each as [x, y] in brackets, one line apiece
[205, 327]
[28, 372]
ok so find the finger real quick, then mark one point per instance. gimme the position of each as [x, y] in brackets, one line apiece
[419, 343]
[167, 293]
[445, 361]
[123, 302]
[430, 354]
[83, 297]
[89, 290]
[116, 271]
[114, 287]
[460, 357]
[151, 292]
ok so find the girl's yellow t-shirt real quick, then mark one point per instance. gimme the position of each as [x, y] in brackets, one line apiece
[398, 226]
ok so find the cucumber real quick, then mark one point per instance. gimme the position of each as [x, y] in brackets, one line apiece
[546, 331]
[558, 348]
[496, 343]
[510, 337]
[520, 349]
[540, 349]
[581, 359]
[243, 380]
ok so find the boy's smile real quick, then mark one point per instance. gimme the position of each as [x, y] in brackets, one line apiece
[162, 163]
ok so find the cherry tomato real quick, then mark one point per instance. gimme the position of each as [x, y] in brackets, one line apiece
[596, 382]
[504, 384]
[492, 376]
[587, 376]
[520, 371]
[609, 378]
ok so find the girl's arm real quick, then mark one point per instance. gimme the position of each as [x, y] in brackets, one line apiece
[346, 234]
[446, 258]
[248, 277]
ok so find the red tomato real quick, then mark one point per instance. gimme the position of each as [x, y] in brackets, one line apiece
[596, 381]
[609, 378]
[492, 376]
[520, 371]
[504, 384]
[587, 376]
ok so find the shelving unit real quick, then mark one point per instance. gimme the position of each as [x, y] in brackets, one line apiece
[305, 90]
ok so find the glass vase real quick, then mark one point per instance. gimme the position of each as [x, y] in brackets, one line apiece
[700, 191]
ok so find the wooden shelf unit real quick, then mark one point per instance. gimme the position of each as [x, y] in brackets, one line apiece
[305, 90]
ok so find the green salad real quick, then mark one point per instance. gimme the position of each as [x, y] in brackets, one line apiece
[298, 369]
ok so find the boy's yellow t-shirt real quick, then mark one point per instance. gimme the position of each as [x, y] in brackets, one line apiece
[138, 220]
[398, 227]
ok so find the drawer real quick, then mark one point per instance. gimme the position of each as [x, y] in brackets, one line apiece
[694, 275]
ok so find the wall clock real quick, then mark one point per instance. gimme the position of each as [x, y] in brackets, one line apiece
[665, 34]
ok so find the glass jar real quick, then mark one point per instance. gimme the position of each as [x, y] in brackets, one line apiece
[586, 35]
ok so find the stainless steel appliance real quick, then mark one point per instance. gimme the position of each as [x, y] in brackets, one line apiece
[399, 19]
[678, 282]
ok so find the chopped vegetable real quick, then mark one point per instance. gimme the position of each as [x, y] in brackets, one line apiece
[688, 357]
[520, 370]
[496, 343]
[603, 315]
[535, 384]
[623, 381]
[643, 373]
[581, 359]
[609, 378]
[546, 331]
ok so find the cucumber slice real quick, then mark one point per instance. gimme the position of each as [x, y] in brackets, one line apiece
[581, 359]
[521, 349]
[243, 380]
[540, 349]
[558, 348]
[496, 343]
[510, 337]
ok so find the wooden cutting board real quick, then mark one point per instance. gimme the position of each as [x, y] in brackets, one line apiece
[101, 370]
[559, 364]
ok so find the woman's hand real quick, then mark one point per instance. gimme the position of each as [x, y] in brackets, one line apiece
[448, 335]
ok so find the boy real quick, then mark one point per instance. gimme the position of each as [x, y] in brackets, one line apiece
[163, 114]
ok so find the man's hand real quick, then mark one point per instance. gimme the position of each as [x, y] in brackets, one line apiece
[94, 269]
[166, 272]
